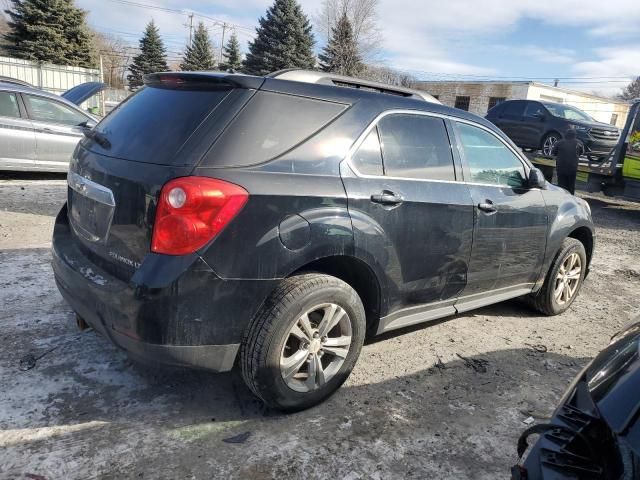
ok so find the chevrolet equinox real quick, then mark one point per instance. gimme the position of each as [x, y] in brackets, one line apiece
[271, 223]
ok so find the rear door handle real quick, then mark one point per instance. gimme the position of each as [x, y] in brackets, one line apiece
[386, 198]
[487, 206]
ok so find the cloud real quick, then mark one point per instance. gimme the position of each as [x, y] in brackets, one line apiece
[546, 55]
[536, 53]
[620, 65]
[425, 36]
[431, 35]
[471, 16]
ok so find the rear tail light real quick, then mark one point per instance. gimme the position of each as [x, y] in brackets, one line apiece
[192, 211]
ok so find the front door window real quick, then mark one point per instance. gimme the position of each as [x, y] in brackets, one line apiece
[48, 110]
[489, 160]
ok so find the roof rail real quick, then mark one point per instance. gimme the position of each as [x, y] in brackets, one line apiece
[312, 76]
[15, 81]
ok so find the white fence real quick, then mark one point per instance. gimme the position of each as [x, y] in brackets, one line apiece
[59, 79]
[49, 77]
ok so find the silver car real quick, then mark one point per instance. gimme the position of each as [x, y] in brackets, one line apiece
[39, 130]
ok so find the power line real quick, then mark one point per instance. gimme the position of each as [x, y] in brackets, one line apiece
[509, 77]
[181, 12]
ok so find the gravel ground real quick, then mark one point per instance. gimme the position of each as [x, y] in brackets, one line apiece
[445, 400]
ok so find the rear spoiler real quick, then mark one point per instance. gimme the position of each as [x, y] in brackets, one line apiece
[84, 91]
[202, 80]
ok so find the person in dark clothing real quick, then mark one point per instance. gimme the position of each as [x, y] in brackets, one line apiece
[566, 153]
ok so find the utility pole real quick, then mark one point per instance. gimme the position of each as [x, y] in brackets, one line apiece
[190, 29]
[102, 99]
[224, 29]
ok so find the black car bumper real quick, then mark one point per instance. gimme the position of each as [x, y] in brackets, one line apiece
[197, 320]
[595, 146]
[576, 444]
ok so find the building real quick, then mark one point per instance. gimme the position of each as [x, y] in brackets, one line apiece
[479, 96]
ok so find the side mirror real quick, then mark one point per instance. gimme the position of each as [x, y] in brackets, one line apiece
[89, 124]
[540, 116]
[536, 179]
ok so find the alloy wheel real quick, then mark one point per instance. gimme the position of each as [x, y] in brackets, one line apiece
[568, 279]
[549, 142]
[315, 347]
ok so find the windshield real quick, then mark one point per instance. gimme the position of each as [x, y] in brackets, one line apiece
[568, 112]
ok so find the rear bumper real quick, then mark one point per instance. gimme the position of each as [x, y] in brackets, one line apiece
[179, 314]
[217, 358]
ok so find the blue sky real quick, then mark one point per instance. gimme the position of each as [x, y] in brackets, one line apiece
[590, 45]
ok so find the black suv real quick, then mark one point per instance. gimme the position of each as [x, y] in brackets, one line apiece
[538, 125]
[221, 218]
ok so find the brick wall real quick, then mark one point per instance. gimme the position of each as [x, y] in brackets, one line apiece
[479, 93]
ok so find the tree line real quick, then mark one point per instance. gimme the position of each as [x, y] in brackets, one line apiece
[284, 39]
[56, 32]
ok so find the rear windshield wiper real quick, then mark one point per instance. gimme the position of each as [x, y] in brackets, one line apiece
[98, 137]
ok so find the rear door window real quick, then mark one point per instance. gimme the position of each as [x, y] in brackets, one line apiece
[270, 125]
[9, 105]
[47, 110]
[416, 146]
[513, 109]
[152, 125]
[495, 111]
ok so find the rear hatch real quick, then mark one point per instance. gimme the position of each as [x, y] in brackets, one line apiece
[157, 134]
[83, 92]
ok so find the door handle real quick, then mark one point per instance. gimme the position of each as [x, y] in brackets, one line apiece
[487, 206]
[386, 198]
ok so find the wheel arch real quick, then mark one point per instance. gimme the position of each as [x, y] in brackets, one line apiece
[585, 236]
[358, 275]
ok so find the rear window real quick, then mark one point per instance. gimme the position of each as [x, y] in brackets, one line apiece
[514, 109]
[152, 125]
[270, 125]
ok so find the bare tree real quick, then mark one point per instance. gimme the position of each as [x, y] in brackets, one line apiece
[390, 76]
[116, 54]
[363, 16]
[631, 91]
[4, 29]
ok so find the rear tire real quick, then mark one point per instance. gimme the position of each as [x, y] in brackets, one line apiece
[304, 342]
[563, 281]
[548, 142]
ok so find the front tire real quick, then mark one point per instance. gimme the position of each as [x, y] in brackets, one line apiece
[304, 342]
[564, 279]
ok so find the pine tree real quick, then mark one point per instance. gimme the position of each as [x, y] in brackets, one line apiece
[152, 57]
[340, 55]
[49, 31]
[232, 55]
[199, 55]
[284, 40]
[631, 91]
